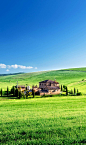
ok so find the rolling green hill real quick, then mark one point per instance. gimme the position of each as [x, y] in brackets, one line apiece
[71, 77]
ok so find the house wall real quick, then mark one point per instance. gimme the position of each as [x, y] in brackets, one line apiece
[44, 85]
[50, 93]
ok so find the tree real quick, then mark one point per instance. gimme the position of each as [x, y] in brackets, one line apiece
[7, 91]
[71, 92]
[61, 87]
[20, 94]
[1, 92]
[26, 94]
[13, 91]
[17, 93]
[74, 91]
[66, 91]
[33, 93]
[26, 87]
[64, 87]
[77, 91]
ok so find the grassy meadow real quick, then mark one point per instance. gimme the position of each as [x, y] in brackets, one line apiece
[52, 120]
[58, 120]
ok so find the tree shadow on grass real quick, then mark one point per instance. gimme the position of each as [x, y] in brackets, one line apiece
[8, 97]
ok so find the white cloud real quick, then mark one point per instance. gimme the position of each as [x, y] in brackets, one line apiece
[15, 66]
[35, 67]
[21, 66]
[2, 65]
[7, 70]
[25, 67]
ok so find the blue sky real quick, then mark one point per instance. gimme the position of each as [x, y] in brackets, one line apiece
[42, 35]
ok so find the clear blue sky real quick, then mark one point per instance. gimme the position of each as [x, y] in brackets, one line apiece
[38, 35]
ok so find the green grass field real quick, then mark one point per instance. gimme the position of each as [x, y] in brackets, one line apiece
[53, 120]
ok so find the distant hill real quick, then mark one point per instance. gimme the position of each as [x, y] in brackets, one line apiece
[76, 69]
[11, 74]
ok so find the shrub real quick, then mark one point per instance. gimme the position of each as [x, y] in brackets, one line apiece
[23, 96]
[29, 93]
[20, 95]
[82, 79]
[79, 94]
[64, 88]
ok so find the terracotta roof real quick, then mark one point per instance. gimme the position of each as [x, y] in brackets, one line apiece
[49, 81]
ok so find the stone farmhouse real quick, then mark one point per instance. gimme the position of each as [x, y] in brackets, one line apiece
[47, 87]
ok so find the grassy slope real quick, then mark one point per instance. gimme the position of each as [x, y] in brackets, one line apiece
[77, 69]
[57, 120]
[66, 77]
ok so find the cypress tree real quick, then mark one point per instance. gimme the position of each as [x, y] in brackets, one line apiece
[66, 91]
[1, 92]
[77, 91]
[20, 95]
[33, 93]
[13, 91]
[7, 91]
[74, 91]
[26, 94]
[17, 93]
[71, 92]
[61, 87]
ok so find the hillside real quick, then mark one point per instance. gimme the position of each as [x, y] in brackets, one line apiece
[77, 69]
[70, 77]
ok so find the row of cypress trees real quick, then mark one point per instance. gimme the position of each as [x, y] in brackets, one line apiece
[1, 92]
[72, 92]
[17, 93]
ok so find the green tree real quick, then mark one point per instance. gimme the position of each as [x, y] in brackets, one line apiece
[7, 91]
[26, 94]
[74, 91]
[64, 87]
[66, 91]
[33, 93]
[1, 92]
[61, 87]
[13, 91]
[71, 92]
[77, 91]
[26, 87]
[20, 95]
[17, 93]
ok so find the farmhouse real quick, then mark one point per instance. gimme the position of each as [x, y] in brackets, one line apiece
[47, 87]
